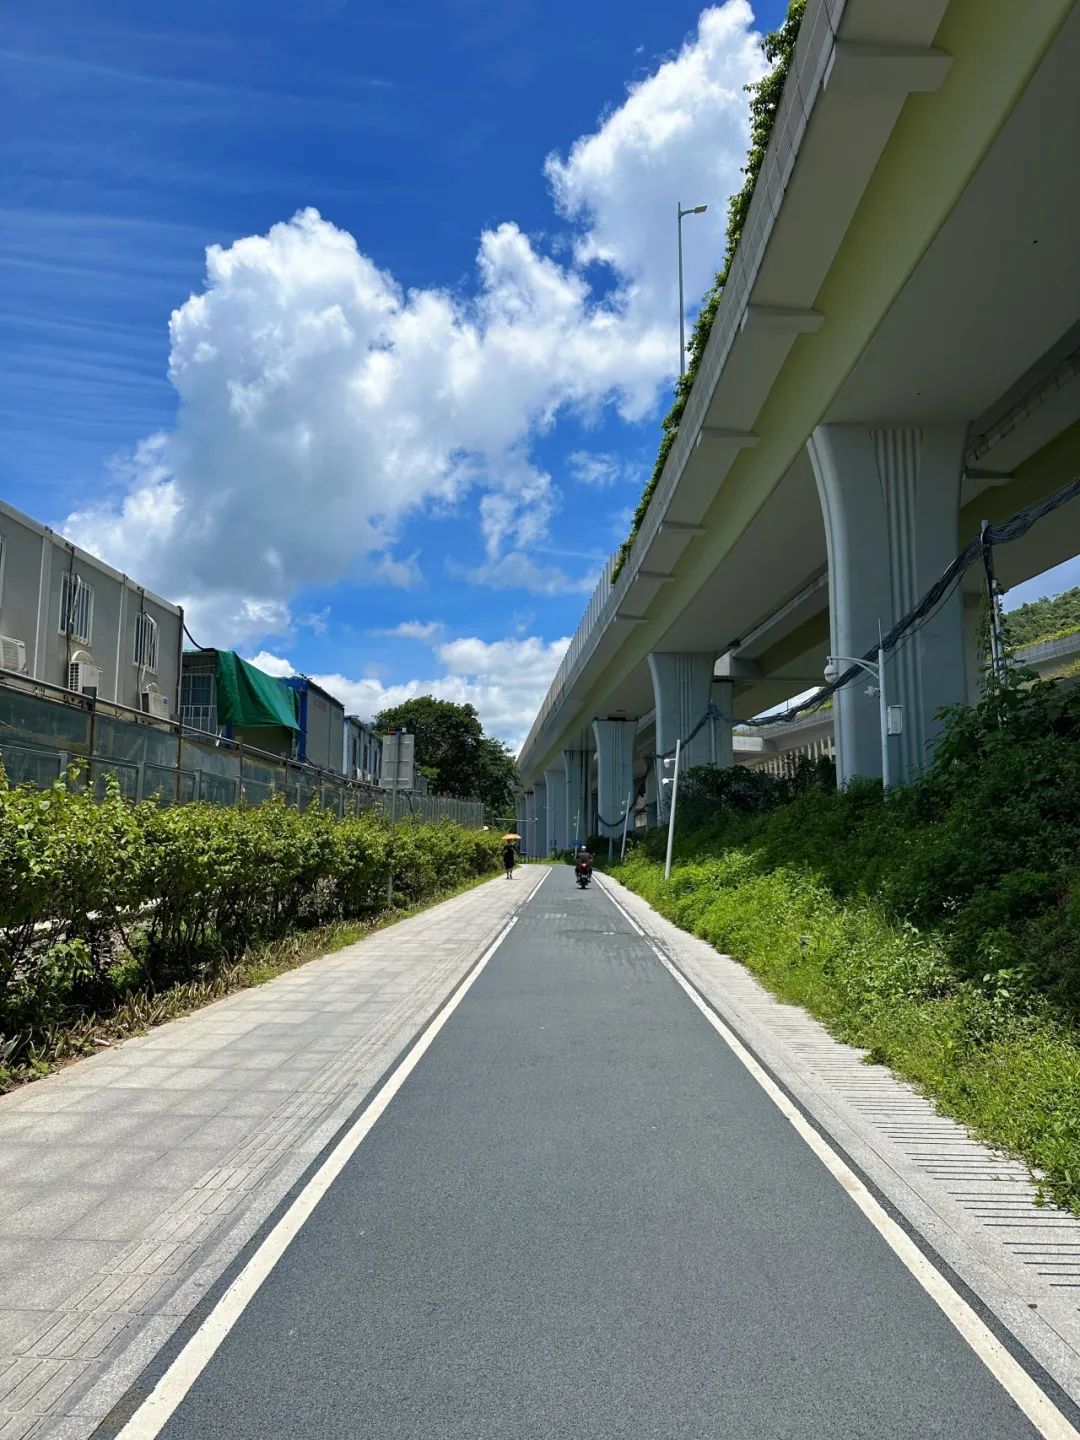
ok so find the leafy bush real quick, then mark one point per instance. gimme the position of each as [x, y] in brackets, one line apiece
[101, 899]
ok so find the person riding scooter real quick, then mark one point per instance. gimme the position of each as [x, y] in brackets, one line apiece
[582, 866]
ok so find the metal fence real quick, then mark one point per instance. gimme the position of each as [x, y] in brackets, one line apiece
[44, 730]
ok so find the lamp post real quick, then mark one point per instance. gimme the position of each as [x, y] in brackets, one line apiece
[877, 674]
[693, 210]
[626, 821]
[673, 781]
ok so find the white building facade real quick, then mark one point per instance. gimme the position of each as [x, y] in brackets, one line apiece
[69, 620]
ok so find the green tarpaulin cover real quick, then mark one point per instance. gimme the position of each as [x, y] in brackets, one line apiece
[247, 696]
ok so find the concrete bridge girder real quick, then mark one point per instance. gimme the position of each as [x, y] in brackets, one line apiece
[910, 319]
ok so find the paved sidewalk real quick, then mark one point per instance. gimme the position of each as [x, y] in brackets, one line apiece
[130, 1180]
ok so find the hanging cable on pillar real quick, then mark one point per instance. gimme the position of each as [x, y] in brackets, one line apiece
[998, 661]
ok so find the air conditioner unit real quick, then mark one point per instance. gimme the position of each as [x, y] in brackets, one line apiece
[83, 677]
[12, 654]
[152, 702]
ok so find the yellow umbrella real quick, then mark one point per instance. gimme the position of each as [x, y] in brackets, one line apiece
[511, 837]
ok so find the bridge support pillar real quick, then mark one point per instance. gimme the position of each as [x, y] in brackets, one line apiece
[578, 815]
[652, 817]
[529, 843]
[538, 838]
[890, 497]
[614, 772]
[521, 809]
[723, 697]
[555, 784]
[682, 693]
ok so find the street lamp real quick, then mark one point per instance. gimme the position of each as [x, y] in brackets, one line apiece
[891, 716]
[693, 210]
[671, 762]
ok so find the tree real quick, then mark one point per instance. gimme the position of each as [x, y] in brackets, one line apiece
[1044, 619]
[453, 751]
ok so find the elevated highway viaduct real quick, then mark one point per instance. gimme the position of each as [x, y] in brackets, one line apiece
[895, 358]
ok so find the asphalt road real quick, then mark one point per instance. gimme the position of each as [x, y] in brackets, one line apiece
[581, 1217]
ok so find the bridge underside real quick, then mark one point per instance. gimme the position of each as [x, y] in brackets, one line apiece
[962, 405]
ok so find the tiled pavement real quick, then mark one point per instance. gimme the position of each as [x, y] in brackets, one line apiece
[130, 1180]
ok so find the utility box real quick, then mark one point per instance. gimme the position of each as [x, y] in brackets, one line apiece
[398, 767]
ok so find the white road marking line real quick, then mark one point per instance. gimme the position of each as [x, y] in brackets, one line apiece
[155, 1411]
[623, 912]
[1039, 1409]
[536, 887]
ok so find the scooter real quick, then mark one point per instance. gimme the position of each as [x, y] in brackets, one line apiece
[583, 873]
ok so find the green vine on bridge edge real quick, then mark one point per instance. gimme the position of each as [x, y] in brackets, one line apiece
[765, 95]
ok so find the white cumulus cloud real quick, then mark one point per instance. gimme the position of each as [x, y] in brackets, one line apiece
[321, 404]
[679, 137]
[271, 664]
[426, 630]
[505, 680]
[587, 468]
[518, 571]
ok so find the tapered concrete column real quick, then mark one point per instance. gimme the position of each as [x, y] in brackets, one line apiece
[521, 812]
[538, 838]
[590, 794]
[555, 783]
[651, 813]
[723, 697]
[529, 842]
[578, 818]
[682, 693]
[890, 496]
[615, 771]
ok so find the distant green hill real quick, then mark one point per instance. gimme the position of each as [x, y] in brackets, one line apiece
[1044, 619]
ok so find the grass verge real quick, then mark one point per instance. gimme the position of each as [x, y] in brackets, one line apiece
[1006, 1064]
[141, 1010]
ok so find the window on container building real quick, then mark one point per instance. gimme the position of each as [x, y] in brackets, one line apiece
[76, 607]
[146, 642]
[198, 701]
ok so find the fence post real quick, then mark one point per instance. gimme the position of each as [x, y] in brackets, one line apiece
[239, 772]
[179, 762]
[92, 744]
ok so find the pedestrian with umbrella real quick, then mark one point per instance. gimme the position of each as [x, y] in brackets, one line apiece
[509, 854]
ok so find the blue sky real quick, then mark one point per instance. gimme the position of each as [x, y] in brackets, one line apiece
[440, 323]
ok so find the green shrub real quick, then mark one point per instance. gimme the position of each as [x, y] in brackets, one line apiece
[101, 899]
